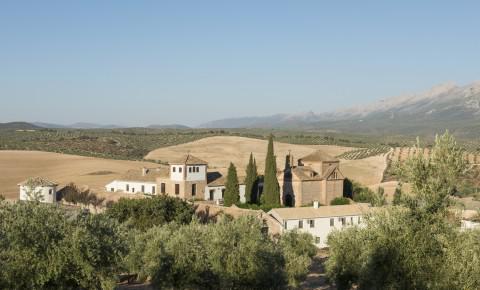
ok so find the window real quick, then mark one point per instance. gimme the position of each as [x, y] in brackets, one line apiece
[194, 189]
[311, 223]
[127, 187]
[351, 220]
[112, 189]
[285, 224]
[143, 188]
[300, 224]
[190, 169]
[177, 189]
[359, 220]
[50, 191]
[342, 220]
[153, 189]
[162, 187]
[174, 169]
[212, 193]
[180, 169]
[317, 240]
[133, 189]
[332, 222]
[223, 192]
[198, 169]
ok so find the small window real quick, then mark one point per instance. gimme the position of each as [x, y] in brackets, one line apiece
[342, 220]
[351, 220]
[133, 189]
[317, 240]
[332, 222]
[359, 220]
[311, 223]
[180, 169]
[177, 189]
[174, 169]
[112, 189]
[300, 224]
[143, 188]
[212, 194]
[189, 169]
[127, 187]
[153, 189]
[50, 191]
[285, 224]
[198, 169]
[162, 187]
[223, 192]
[194, 189]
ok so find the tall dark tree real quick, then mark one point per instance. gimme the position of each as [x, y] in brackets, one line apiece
[232, 192]
[271, 188]
[251, 180]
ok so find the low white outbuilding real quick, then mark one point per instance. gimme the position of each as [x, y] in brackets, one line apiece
[319, 221]
[38, 188]
[137, 181]
[215, 189]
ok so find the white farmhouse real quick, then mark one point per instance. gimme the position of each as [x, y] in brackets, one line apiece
[137, 181]
[216, 188]
[319, 221]
[38, 188]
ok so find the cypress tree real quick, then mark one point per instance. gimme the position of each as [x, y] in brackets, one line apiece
[250, 180]
[232, 192]
[271, 188]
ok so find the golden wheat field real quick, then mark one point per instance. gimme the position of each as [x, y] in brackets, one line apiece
[16, 166]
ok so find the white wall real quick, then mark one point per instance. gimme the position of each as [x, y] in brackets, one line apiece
[217, 192]
[48, 193]
[177, 175]
[196, 176]
[322, 226]
[134, 187]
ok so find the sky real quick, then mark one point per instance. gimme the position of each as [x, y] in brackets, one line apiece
[161, 62]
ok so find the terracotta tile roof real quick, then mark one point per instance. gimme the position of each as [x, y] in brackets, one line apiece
[151, 174]
[318, 156]
[39, 181]
[290, 213]
[305, 173]
[188, 160]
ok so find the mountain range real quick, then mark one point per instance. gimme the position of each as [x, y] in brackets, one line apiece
[446, 106]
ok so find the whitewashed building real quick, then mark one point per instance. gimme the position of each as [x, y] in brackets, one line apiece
[137, 181]
[319, 221]
[38, 188]
[215, 189]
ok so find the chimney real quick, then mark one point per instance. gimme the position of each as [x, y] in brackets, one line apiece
[144, 171]
[316, 204]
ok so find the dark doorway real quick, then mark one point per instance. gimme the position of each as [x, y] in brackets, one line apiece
[288, 200]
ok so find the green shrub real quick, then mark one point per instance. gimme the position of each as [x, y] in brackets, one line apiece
[340, 201]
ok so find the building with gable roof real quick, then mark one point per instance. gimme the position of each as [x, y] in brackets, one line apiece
[38, 188]
[316, 177]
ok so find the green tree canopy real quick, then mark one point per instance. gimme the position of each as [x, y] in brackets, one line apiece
[230, 254]
[271, 188]
[415, 245]
[232, 191]
[251, 180]
[44, 247]
[148, 212]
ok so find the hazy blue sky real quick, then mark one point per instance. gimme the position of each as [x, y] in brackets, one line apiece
[158, 62]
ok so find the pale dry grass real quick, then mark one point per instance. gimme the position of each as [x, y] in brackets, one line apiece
[16, 166]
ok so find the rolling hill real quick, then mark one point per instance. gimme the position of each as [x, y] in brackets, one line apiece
[18, 126]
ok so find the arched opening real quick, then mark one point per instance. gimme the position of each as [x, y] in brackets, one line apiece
[288, 200]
